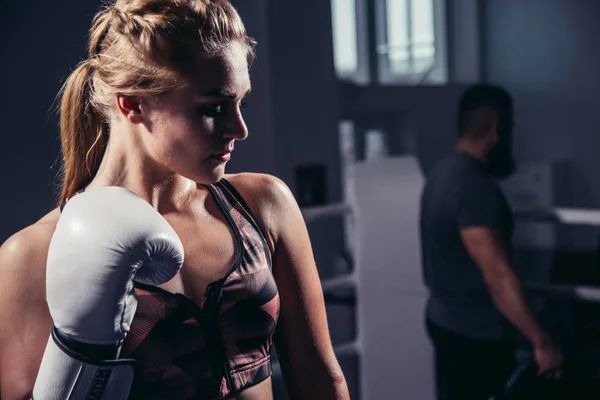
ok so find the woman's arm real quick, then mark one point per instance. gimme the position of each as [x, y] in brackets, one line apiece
[26, 321]
[308, 363]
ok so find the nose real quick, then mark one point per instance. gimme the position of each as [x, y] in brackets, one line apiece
[235, 127]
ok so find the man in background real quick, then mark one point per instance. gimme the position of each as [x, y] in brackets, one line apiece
[476, 302]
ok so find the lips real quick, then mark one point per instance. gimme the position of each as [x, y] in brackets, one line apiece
[222, 156]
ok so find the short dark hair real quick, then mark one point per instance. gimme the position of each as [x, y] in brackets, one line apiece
[476, 106]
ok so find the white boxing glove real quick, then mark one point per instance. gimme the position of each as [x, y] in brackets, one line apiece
[105, 239]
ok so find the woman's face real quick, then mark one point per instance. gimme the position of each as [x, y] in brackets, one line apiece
[193, 130]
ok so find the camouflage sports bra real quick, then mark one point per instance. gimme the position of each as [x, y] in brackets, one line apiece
[214, 350]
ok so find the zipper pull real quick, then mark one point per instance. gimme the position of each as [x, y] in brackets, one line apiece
[213, 297]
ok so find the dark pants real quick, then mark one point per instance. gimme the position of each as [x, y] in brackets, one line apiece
[467, 368]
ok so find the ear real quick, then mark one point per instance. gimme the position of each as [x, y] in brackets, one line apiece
[129, 107]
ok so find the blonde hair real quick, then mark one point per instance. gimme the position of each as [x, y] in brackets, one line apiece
[136, 48]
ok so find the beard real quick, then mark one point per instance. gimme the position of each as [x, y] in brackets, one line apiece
[500, 162]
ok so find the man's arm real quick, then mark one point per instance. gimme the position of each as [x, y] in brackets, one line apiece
[482, 214]
[506, 290]
[489, 253]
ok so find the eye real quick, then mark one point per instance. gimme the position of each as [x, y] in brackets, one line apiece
[243, 104]
[211, 110]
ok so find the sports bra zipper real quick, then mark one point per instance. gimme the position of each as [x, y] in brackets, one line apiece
[213, 301]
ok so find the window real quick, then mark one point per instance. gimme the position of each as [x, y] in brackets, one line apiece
[408, 38]
[351, 59]
[344, 37]
[410, 41]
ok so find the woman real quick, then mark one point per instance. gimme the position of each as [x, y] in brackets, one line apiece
[155, 109]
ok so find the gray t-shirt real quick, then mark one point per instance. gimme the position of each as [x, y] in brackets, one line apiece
[458, 194]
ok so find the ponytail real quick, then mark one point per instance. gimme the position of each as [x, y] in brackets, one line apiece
[83, 133]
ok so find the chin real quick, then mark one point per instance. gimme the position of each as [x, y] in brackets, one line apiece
[209, 176]
[204, 173]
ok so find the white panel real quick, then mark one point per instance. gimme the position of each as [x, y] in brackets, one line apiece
[530, 190]
[395, 350]
[386, 201]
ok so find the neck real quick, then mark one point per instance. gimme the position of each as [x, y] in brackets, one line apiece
[127, 165]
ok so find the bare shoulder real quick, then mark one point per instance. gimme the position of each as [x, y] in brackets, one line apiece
[261, 188]
[269, 199]
[24, 253]
[23, 272]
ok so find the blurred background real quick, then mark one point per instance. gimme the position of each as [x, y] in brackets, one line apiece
[340, 82]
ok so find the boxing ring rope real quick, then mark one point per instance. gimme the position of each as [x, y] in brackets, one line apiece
[564, 216]
[560, 215]
[331, 210]
[582, 293]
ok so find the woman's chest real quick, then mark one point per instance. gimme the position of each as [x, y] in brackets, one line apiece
[225, 258]
[210, 247]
